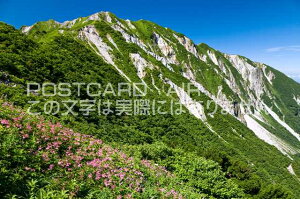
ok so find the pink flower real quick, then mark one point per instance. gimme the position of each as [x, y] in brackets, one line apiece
[25, 136]
[29, 169]
[5, 122]
[45, 157]
[106, 183]
[5, 104]
[98, 175]
[17, 119]
[106, 166]
[51, 167]
[94, 163]
[162, 189]
[100, 152]
[68, 164]
[122, 175]
[18, 126]
[29, 127]
[123, 155]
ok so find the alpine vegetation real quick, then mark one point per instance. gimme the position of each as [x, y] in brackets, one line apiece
[101, 107]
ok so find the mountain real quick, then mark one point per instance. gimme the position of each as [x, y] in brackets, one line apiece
[72, 164]
[246, 118]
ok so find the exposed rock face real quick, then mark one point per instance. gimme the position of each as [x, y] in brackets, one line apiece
[107, 17]
[285, 125]
[268, 137]
[212, 57]
[130, 25]
[133, 39]
[252, 74]
[224, 102]
[203, 58]
[165, 48]
[111, 41]
[129, 38]
[189, 73]
[297, 99]
[94, 17]
[291, 170]
[26, 29]
[194, 107]
[91, 34]
[269, 75]
[141, 64]
[220, 99]
[188, 44]
[69, 24]
[252, 81]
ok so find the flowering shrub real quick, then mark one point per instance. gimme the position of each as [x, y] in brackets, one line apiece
[43, 158]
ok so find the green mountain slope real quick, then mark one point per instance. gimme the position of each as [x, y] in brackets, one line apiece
[41, 159]
[256, 143]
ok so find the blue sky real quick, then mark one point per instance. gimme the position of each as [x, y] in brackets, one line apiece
[263, 30]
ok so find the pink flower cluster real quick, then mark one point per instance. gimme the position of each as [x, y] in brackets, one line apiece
[5, 123]
[171, 193]
[82, 156]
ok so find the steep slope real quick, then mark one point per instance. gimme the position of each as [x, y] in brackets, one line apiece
[235, 83]
[255, 142]
[41, 159]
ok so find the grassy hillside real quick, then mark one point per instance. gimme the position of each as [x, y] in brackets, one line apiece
[42, 159]
[230, 162]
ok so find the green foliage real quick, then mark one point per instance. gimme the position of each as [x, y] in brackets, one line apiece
[40, 159]
[205, 176]
[285, 89]
[230, 162]
[275, 192]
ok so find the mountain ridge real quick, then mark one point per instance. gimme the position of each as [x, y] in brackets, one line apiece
[26, 28]
[166, 51]
[263, 111]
